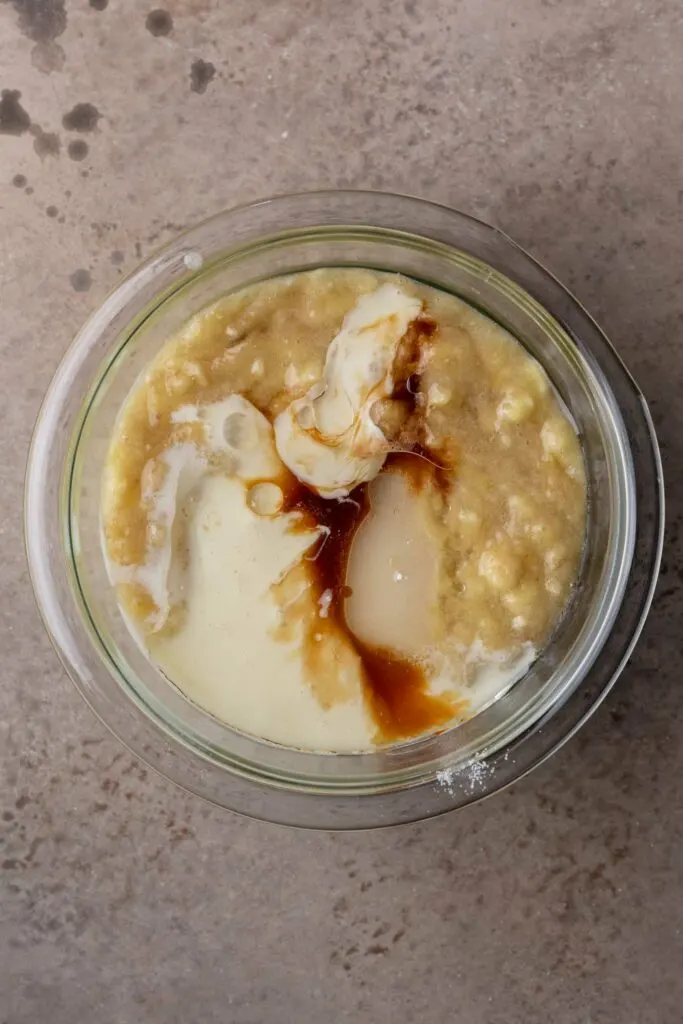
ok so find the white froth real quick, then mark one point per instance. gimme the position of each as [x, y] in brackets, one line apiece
[328, 438]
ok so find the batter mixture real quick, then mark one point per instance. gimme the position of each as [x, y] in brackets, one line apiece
[343, 509]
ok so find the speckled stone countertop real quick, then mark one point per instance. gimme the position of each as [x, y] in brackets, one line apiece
[122, 899]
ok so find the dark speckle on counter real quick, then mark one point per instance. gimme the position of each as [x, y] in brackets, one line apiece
[13, 118]
[82, 118]
[77, 149]
[48, 57]
[45, 143]
[159, 22]
[41, 20]
[81, 280]
[202, 74]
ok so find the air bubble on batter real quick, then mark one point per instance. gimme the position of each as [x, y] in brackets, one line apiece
[265, 499]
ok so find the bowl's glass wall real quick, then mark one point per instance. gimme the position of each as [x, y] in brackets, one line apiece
[476, 263]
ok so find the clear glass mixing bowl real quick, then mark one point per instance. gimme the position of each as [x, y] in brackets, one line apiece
[414, 779]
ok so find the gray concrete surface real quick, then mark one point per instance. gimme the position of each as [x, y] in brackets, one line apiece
[123, 900]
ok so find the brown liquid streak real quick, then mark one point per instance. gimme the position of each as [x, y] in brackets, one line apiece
[395, 687]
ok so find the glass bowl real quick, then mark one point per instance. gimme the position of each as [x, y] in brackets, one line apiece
[414, 779]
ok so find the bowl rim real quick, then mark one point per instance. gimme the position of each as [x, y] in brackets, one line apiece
[493, 772]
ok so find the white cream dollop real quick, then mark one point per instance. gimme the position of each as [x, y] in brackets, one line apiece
[243, 437]
[328, 438]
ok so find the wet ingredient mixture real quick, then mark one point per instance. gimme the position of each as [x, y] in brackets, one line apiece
[343, 509]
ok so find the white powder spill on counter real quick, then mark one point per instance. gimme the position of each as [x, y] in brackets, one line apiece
[470, 777]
